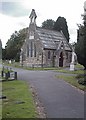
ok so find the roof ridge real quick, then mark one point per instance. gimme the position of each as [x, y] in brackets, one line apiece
[48, 29]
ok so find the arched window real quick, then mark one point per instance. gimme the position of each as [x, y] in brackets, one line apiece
[27, 50]
[49, 55]
[31, 49]
[34, 50]
[31, 54]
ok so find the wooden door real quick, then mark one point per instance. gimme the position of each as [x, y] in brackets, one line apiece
[61, 60]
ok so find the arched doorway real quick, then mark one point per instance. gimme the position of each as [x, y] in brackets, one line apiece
[61, 60]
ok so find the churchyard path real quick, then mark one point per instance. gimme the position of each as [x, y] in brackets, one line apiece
[59, 98]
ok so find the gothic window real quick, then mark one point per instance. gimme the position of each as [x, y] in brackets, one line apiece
[27, 50]
[48, 54]
[31, 55]
[34, 50]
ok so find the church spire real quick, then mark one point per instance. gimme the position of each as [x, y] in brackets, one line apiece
[33, 17]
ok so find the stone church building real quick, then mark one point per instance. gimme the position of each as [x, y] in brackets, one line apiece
[44, 48]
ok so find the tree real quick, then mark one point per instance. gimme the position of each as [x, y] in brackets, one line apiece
[3, 54]
[0, 50]
[61, 24]
[14, 44]
[48, 24]
[81, 44]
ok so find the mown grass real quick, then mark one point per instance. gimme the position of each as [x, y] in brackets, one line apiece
[17, 65]
[71, 72]
[16, 92]
[80, 70]
[72, 80]
[79, 66]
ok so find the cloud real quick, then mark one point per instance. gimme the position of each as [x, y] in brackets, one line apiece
[8, 25]
[15, 14]
[14, 9]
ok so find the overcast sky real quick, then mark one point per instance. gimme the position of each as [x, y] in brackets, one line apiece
[14, 15]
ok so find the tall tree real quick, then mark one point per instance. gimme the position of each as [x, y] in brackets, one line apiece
[61, 24]
[48, 24]
[81, 44]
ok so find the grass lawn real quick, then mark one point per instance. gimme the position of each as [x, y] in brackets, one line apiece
[72, 80]
[79, 71]
[19, 102]
[17, 65]
[71, 72]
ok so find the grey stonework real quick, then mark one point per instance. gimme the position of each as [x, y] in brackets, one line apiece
[44, 48]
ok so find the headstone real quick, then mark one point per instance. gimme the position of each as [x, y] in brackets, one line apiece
[12, 75]
[10, 61]
[20, 102]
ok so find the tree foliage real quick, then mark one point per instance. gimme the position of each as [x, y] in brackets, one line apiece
[13, 46]
[48, 24]
[61, 24]
[0, 49]
[81, 44]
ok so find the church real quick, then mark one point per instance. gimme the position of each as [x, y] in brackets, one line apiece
[44, 48]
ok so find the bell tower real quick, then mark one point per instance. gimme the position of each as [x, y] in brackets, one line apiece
[32, 25]
[33, 17]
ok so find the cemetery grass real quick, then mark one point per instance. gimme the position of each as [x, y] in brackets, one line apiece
[71, 72]
[73, 81]
[16, 64]
[80, 70]
[19, 101]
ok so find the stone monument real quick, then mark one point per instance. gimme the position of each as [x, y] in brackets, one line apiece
[72, 68]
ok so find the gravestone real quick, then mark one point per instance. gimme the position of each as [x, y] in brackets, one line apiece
[12, 75]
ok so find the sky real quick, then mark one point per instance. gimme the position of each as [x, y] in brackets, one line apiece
[14, 15]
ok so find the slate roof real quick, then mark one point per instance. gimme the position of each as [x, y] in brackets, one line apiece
[52, 39]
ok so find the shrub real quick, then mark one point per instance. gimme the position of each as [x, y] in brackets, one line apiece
[82, 81]
[81, 76]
